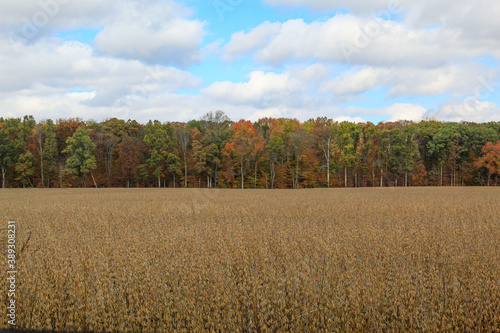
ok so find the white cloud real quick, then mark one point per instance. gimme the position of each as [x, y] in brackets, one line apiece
[261, 87]
[327, 5]
[38, 78]
[401, 111]
[468, 109]
[172, 42]
[242, 43]
[351, 40]
[455, 79]
[156, 31]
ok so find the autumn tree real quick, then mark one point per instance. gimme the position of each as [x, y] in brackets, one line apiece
[81, 150]
[490, 159]
[7, 151]
[245, 144]
[183, 135]
[215, 127]
[130, 154]
[325, 135]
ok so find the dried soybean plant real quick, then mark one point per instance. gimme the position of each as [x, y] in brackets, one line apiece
[346, 260]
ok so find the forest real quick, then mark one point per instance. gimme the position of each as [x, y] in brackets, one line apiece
[215, 151]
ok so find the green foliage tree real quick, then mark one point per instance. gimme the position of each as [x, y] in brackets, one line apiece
[25, 167]
[155, 139]
[81, 150]
[7, 151]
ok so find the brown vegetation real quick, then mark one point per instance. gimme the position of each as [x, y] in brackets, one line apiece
[344, 260]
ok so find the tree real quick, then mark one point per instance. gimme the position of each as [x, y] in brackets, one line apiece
[155, 139]
[215, 131]
[49, 153]
[131, 152]
[106, 144]
[25, 167]
[244, 144]
[348, 141]
[7, 151]
[326, 132]
[183, 135]
[298, 141]
[82, 159]
[404, 153]
[490, 159]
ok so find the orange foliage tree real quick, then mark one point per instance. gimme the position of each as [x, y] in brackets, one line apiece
[490, 159]
[244, 146]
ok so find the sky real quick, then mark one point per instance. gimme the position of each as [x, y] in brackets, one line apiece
[357, 60]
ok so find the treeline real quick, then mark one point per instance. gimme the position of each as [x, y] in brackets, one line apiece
[270, 153]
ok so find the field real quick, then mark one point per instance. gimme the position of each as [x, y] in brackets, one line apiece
[190, 260]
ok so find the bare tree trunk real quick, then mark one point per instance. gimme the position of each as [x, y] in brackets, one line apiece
[174, 179]
[95, 184]
[406, 178]
[159, 181]
[297, 175]
[185, 173]
[84, 179]
[3, 176]
[345, 176]
[242, 177]
[41, 161]
[441, 179]
[328, 173]
[489, 176]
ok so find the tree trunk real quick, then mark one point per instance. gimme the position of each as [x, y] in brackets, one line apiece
[489, 176]
[174, 179]
[185, 174]
[159, 181]
[84, 179]
[128, 183]
[345, 176]
[3, 176]
[242, 177]
[328, 173]
[441, 179]
[406, 178]
[93, 179]
[381, 180]
[41, 163]
[297, 175]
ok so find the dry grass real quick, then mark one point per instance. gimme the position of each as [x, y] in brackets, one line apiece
[346, 260]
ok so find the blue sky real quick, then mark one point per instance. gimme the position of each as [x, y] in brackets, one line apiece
[170, 60]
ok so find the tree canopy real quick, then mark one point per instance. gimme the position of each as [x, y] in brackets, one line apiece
[214, 151]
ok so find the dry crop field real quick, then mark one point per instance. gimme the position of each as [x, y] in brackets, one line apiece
[188, 260]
